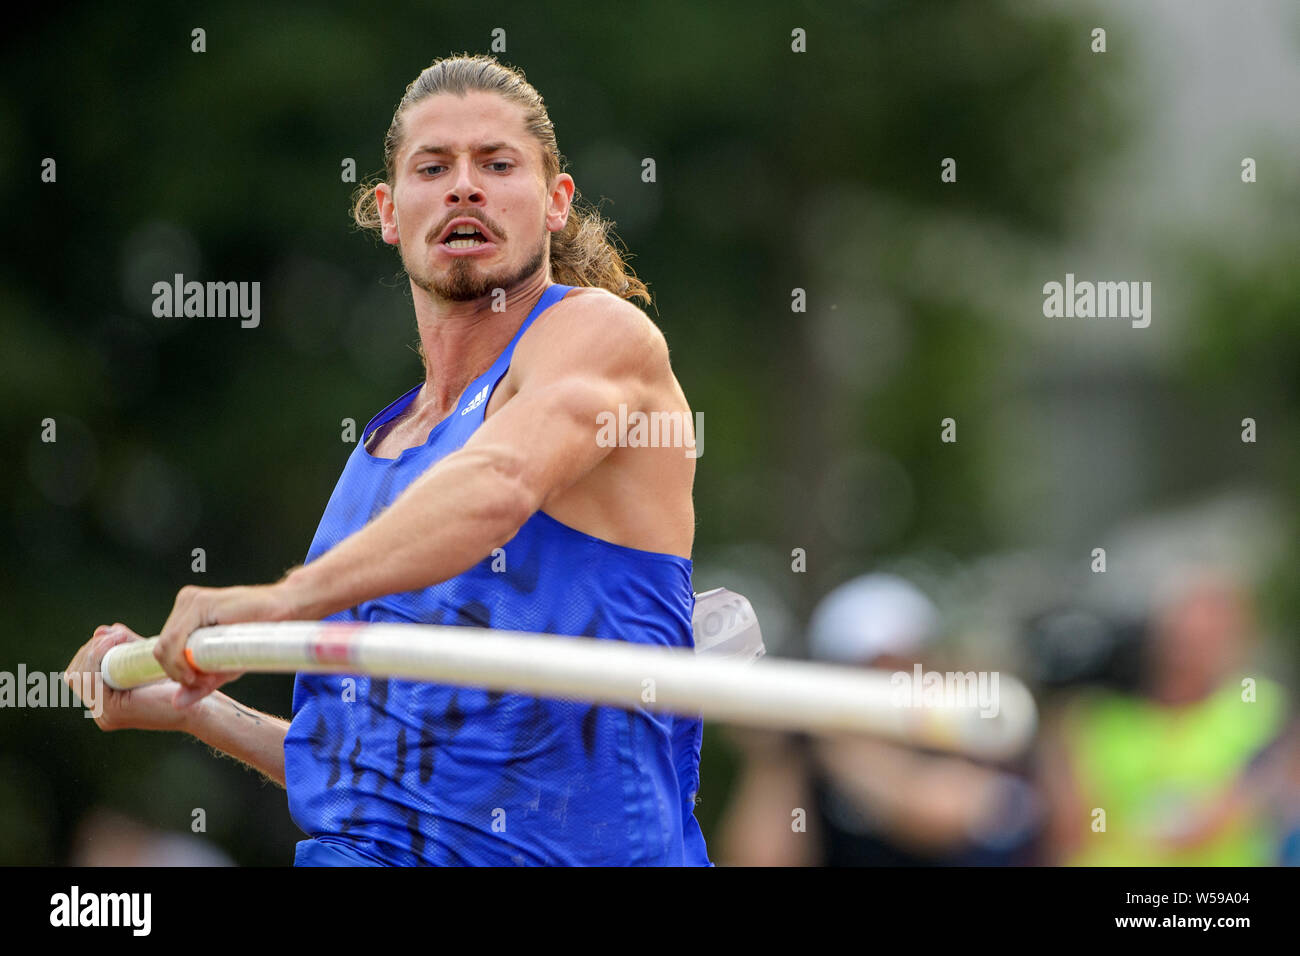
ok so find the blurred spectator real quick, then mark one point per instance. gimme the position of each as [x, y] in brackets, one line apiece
[1193, 769]
[106, 838]
[868, 802]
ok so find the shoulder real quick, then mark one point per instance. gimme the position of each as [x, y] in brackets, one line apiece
[596, 326]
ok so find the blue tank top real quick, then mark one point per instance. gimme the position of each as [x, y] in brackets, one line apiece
[411, 773]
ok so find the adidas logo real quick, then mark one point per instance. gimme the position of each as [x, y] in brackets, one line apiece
[478, 400]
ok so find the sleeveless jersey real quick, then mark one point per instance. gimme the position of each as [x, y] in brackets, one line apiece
[408, 773]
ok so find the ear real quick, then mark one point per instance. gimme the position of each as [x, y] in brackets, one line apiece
[559, 202]
[384, 199]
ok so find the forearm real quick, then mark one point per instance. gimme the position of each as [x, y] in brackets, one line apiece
[447, 521]
[249, 736]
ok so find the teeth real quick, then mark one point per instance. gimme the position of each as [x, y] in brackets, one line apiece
[464, 243]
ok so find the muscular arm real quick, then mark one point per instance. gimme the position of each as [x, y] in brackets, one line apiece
[591, 357]
[575, 362]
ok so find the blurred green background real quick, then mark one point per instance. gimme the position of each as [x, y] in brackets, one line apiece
[776, 170]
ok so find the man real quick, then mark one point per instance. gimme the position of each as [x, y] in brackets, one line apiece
[871, 802]
[481, 497]
[1194, 769]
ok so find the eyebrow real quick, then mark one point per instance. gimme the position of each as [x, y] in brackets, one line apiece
[441, 150]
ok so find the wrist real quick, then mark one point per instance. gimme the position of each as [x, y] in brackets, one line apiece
[302, 596]
[195, 721]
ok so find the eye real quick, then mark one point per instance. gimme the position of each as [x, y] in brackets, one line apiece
[425, 169]
[500, 162]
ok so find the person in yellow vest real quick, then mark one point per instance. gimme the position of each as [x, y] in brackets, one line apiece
[1193, 771]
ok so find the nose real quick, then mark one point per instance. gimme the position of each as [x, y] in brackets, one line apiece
[463, 189]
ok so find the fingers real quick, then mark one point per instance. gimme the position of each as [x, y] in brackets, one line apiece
[106, 637]
[92, 652]
[170, 650]
[82, 675]
[188, 696]
[194, 608]
[170, 653]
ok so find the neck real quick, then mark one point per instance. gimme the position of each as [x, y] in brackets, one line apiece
[461, 340]
[1179, 690]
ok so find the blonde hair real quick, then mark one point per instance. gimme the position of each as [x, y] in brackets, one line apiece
[583, 253]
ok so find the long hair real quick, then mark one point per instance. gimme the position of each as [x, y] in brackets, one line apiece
[583, 253]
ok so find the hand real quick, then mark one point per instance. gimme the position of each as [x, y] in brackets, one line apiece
[1203, 822]
[197, 607]
[149, 707]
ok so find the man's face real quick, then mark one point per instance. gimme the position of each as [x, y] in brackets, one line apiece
[1203, 635]
[470, 158]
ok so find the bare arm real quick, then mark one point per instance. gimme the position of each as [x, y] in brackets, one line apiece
[771, 788]
[927, 802]
[573, 365]
[586, 361]
[251, 737]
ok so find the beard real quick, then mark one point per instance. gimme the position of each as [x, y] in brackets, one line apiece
[465, 280]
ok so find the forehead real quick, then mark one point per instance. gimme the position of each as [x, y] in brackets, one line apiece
[461, 122]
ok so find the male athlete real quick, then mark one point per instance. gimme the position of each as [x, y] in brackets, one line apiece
[527, 338]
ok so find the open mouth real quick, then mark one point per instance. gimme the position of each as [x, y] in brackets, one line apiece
[466, 233]
[465, 237]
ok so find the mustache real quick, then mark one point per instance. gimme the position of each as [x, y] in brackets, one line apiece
[434, 234]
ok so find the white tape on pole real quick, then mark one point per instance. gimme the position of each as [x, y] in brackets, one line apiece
[790, 695]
